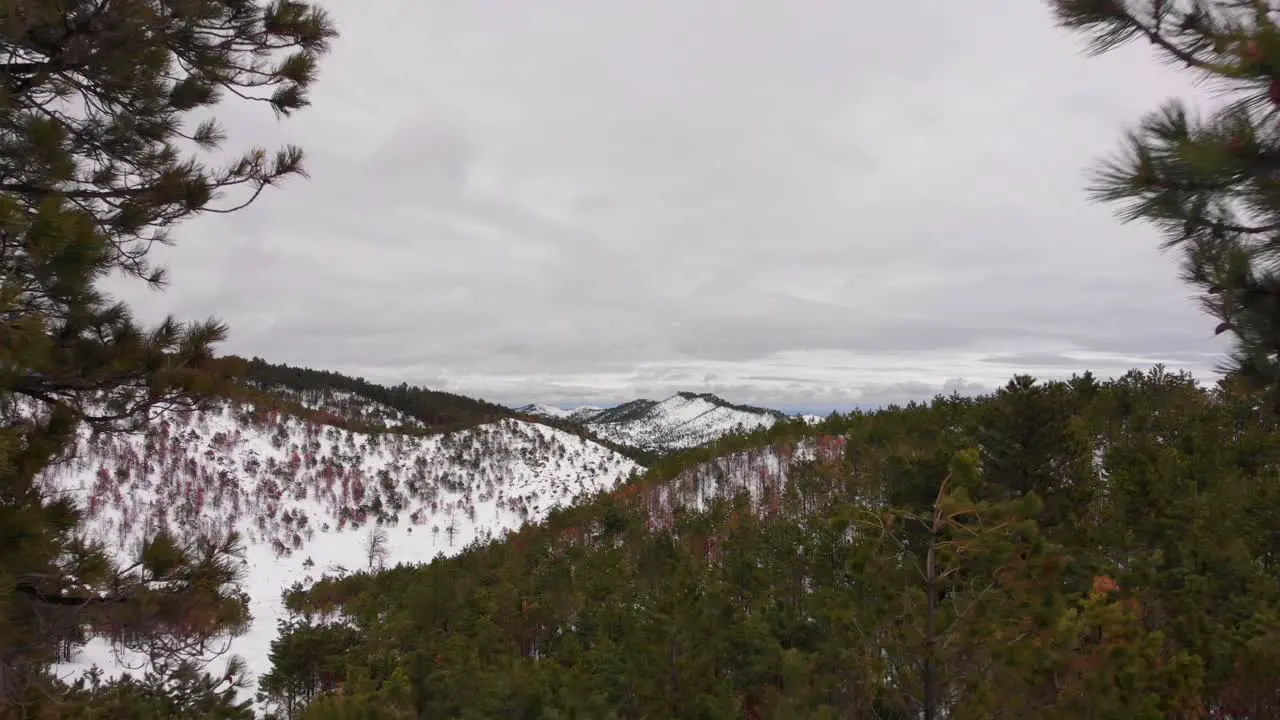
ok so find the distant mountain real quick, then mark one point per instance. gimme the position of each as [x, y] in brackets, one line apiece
[546, 411]
[584, 413]
[682, 421]
[303, 463]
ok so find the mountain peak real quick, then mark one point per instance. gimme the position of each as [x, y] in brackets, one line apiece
[683, 420]
[546, 411]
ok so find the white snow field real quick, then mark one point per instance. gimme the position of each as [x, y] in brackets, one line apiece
[292, 488]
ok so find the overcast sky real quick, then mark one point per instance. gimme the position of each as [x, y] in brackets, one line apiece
[801, 204]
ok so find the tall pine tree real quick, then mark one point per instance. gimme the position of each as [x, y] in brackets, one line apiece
[1210, 184]
[98, 162]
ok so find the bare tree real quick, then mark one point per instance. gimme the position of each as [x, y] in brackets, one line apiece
[377, 546]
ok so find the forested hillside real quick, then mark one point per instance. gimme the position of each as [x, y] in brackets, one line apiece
[332, 398]
[1063, 550]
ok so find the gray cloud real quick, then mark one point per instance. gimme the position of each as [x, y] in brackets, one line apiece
[806, 204]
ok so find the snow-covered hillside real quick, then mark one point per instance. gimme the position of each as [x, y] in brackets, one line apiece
[583, 413]
[348, 406]
[546, 411]
[681, 421]
[762, 473]
[304, 495]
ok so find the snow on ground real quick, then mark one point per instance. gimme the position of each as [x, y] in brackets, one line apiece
[681, 421]
[762, 473]
[296, 489]
[347, 405]
[584, 413]
[547, 411]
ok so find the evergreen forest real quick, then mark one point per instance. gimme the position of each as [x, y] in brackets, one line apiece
[1075, 549]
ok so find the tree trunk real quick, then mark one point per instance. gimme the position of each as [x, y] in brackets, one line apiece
[930, 671]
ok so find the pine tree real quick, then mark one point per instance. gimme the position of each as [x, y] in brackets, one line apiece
[186, 692]
[96, 167]
[978, 622]
[1030, 443]
[1208, 183]
[306, 661]
[964, 582]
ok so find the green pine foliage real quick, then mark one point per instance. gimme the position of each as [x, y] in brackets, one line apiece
[99, 161]
[307, 661]
[1208, 182]
[185, 691]
[1116, 561]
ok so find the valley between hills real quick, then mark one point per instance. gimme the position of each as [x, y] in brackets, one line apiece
[848, 206]
[303, 467]
[442, 530]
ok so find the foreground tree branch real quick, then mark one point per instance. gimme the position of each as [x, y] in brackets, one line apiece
[1211, 184]
[99, 161]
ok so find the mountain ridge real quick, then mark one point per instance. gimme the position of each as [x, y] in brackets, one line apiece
[420, 410]
[682, 421]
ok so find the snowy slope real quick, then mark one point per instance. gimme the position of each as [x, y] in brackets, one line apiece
[683, 420]
[347, 405]
[584, 413]
[762, 473]
[546, 411]
[297, 490]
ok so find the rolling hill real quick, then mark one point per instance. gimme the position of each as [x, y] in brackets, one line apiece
[682, 421]
[304, 491]
[304, 464]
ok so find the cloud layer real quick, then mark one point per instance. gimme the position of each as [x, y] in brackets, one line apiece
[803, 204]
